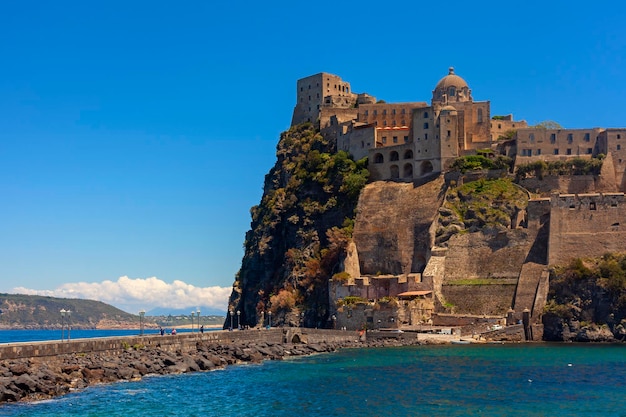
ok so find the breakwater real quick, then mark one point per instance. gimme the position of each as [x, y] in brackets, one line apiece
[32, 371]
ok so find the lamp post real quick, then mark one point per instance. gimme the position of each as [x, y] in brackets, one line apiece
[141, 314]
[192, 313]
[269, 314]
[198, 317]
[231, 318]
[62, 322]
[69, 323]
[238, 319]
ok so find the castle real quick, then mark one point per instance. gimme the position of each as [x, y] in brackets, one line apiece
[393, 252]
[408, 141]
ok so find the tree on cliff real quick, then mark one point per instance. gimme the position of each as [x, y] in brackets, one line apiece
[299, 231]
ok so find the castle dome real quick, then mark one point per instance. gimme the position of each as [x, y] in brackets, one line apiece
[451, 80]
[451, 88]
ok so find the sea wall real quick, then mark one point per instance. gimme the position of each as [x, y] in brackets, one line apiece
[182, 342]
[34, 371]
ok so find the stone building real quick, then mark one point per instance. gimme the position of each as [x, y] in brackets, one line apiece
[393, 250]
[403, 141]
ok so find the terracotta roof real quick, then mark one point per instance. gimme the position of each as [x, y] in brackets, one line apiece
[414, 293]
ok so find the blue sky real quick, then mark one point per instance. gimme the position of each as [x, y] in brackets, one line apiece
[134, 136]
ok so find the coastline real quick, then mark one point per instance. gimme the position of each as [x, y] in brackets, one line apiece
[26, 379]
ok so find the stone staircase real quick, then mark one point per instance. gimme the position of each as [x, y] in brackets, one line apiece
[531, 289]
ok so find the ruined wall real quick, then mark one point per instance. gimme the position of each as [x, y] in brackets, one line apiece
[391, 232]
[586, 225]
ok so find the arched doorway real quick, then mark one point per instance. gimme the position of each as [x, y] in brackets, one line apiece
[426, 168]
[407, 172]
[395, 172]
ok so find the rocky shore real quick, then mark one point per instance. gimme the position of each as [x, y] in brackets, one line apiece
[31, 379]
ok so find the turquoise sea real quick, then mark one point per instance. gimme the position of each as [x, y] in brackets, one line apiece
[450, 380]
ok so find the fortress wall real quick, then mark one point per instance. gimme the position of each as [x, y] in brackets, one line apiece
[573, 184]
[485, 299]
[392, 225]
[476, 255]
[586, 225]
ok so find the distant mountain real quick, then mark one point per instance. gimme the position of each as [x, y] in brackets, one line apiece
[19, 311]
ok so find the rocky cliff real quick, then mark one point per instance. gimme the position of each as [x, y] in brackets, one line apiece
[587, 300]
[298, 232]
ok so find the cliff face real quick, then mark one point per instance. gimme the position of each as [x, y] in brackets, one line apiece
[298, 232]
[587, 300]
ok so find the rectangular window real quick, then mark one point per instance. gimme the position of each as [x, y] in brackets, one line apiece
[384, 139]
[538, 152]
[403, 111]
[532, 138]
[568, 151]
[375, 112]
[393, 111]
[552, 137]
[556, 151]
[589, 151]
[619, 136]
[570, 138]
[426, 125]
[449, 133]
[425, 136]
[395, 139]
[619, 147]
[587, 137]
[425, 115]
[384, 112]
[406, 139]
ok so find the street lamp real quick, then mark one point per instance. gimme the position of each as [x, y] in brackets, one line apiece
[192, 313]
[269, 313]
[239, 319]
[62, 322]
[69, 323]
[141, 314]
[198, 316]
[231, 318]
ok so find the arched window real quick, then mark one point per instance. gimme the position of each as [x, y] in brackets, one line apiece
[407, 171]
[408, 154]
[378, 158]
[480, 116]
[393, 156]
[451, 92]
[395, 172]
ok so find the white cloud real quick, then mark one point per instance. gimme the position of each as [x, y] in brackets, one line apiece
[132, 295]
